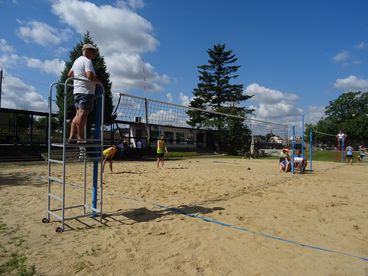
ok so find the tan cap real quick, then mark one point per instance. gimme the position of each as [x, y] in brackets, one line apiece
[89, 46]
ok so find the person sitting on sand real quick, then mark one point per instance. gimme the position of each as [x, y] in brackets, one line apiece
[284, 161]
[284, 154]
[285, 165]
[299, 162]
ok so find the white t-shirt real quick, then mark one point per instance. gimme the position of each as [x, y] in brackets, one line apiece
[341, 136]
[298, 159]
[80, 66]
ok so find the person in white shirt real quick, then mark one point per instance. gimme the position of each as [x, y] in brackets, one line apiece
[84, 91]
[340, 138]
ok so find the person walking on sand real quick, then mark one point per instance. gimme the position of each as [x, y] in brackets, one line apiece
[349, 152]
[362, 152]
[84, 91]
[161, 150]
[109, 155]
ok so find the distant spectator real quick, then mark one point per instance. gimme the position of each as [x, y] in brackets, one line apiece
[139, 149]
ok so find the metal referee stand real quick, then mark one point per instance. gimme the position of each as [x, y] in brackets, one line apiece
[90, 151]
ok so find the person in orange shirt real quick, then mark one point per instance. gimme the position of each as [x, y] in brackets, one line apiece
[109, 155]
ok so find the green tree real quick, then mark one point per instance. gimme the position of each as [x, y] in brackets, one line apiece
[102, 75]
[349, 113]
[215, 92]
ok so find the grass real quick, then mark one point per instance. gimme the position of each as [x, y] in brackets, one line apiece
[17, 264]
[332, 156]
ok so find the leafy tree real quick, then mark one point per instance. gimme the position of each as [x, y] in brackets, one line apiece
[349, 113]
[102, 75]
[216, 93]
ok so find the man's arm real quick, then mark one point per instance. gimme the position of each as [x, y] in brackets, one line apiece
[71, 73]
[91, 76]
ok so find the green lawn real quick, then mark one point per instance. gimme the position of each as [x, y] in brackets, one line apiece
[326, 155]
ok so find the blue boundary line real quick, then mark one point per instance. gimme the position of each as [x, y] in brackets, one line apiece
[243, 229]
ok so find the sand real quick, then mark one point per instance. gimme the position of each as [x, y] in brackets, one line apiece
[202, 216]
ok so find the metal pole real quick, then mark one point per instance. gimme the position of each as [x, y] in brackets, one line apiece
[310, 149]
[303, 134]
[1, 83]
[97, 137]
[292, 150]
[342, 149]
[148, 129]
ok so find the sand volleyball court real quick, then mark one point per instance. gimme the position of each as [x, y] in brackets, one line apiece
[205, 216]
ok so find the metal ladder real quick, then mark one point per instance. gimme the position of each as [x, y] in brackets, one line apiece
[91, 151]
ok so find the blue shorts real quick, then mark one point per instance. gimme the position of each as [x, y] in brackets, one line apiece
[84, 101]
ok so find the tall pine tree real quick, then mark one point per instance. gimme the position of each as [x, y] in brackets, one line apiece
[102, 75]
[215, 92]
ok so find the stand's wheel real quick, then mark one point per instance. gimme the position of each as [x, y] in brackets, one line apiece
[45, 220]
[59, 229]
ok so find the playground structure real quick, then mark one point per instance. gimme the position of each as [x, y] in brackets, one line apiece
[91, 151]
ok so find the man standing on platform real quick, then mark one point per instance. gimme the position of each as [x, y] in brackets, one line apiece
[84, 91]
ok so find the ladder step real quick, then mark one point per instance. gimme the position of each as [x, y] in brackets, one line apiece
[87, 145]
[56, 179]
[55, 197]
[56, 161]
[55, 215]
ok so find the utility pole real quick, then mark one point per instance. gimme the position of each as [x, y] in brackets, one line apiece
[1, 83]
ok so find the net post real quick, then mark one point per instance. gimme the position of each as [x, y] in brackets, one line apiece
[303, 134]
[97, 137]
[342, 149]
[310, 149]
[292, 149]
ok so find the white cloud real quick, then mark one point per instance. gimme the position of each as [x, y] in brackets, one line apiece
[169, 97]
[362, 45]
[121, 35]
[19, 95]
[314, 114]
[5, 47]
[8, 57]
[54, 66]
[341, 56]
[133, 4]
[42, 33]
[184, 100]
[267, 95]
[352, 83]
[274, 105]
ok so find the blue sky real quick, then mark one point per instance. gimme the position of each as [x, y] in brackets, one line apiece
[295, 56]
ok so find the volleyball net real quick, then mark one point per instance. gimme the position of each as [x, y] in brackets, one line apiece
[327, 146]
[192, 129]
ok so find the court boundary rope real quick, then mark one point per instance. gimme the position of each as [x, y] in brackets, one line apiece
[242, 229]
